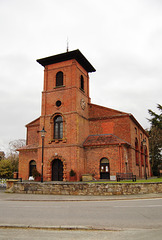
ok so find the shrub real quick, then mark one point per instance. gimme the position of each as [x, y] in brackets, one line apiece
[35, 173]
[6, 168]
[72, 173]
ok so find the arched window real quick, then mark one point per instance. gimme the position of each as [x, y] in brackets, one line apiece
[136, 152]
[58, 127]
[81, 83]
[32, 166]
[59, 79]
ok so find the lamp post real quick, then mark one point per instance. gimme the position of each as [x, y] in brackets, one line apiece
[42, 136]
[144, 144]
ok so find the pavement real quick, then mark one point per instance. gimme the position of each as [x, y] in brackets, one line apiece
[37, 234]
[44, 197]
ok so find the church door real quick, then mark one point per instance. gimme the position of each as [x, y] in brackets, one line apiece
[57, 170]
[104, 169]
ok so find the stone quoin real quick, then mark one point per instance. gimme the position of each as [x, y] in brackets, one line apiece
[80, 136]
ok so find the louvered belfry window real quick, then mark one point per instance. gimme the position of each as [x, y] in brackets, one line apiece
[81, 83]
[59, 79]
[58, 127]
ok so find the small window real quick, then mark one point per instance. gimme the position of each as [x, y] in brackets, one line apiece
[58, 127]
[58, 103]
[59, 79]
[81, 83]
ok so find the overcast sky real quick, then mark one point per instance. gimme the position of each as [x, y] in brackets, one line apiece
[121, 38]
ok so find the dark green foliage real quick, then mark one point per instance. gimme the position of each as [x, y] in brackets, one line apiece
[155, 140]
[9, 165]
[7, 168]
[35, 173]
[72, 173]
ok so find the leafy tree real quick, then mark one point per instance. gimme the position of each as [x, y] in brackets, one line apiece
[10, 165]
[156, 120]
[155, 140]
[2, 155]
[6, 168]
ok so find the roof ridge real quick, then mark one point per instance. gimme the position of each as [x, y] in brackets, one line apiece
[96, 105]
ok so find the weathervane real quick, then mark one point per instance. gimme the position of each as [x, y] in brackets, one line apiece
[67, 45]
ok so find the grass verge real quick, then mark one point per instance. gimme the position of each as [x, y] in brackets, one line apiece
[149, 180]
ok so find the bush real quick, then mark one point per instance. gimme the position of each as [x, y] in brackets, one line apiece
[72, 173]
[2, 182]
[6, 168]
[35, 173]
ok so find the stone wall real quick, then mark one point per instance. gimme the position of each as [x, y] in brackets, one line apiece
[83, 188]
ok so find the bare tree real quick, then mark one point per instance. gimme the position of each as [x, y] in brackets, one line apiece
[16, 144]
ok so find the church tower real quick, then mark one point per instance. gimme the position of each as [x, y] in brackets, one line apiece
[64, 115]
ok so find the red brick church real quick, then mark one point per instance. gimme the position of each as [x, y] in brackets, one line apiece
[84, 137]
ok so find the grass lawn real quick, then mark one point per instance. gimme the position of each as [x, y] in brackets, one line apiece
[149, 180]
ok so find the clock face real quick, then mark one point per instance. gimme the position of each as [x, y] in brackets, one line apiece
[82, 103]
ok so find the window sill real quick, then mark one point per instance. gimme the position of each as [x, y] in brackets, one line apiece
[58, 140]
[82, 90]
[59, 86]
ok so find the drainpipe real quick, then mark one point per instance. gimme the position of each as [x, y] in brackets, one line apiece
[120, 156]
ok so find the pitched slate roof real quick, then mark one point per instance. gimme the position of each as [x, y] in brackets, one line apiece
[76, 54]
[103, 139]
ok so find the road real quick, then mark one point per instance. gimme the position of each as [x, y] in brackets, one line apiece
[97, 214]
[120, 218]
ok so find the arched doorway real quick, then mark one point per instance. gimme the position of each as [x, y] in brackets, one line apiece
[104, 169]
[57, 170]
[32, 166]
